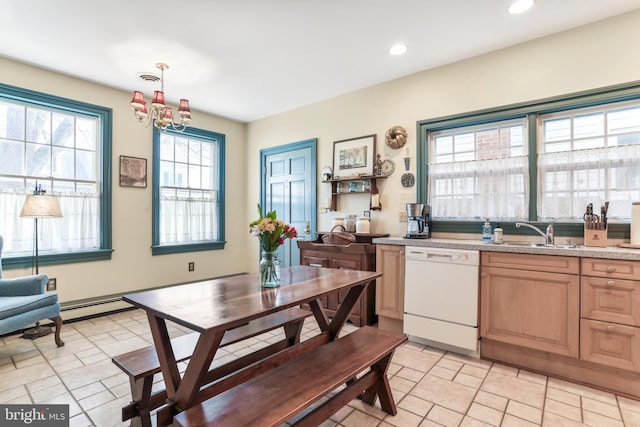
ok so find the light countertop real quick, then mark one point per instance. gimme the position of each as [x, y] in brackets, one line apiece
[609, 252]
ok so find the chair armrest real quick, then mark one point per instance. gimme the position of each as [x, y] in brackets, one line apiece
[22, 286]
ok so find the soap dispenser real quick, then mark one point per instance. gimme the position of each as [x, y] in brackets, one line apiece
[497, 234]
[486, 231]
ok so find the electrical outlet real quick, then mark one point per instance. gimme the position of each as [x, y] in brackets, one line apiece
[192, 266]
[52, 284]
[403, 216]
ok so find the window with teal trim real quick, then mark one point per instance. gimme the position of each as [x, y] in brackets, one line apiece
[59, 145]
[538, 161]
[188, 190]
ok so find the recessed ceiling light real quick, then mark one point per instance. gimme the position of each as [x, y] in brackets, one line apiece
[398, 49]
[520, 6]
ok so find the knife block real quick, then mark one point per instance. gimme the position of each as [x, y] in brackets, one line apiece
[595, 237]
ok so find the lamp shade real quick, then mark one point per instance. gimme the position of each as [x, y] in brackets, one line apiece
[41, 206]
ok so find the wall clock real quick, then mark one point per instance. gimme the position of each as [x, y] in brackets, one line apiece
[387, 167]
[396, 137]
[407, 179]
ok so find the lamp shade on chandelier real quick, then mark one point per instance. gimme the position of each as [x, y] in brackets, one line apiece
[160, 115]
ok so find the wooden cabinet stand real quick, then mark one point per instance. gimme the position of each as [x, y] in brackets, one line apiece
[355, 256]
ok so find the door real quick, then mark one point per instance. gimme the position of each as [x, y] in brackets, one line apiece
[289, 187]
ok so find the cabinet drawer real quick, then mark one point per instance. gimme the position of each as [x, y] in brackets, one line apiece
[547, 263]
[610, 344]
[611, 300]
[618, 269]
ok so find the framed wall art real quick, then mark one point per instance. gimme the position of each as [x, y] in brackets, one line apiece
[354, 157]
[133, 172]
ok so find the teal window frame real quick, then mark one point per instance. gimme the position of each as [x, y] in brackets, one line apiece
[530, 111]
[157, 248]
[105, 115]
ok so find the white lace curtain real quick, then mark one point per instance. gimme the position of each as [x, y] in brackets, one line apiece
[569, 180]
[78, 229]
[185, 219]
[495, 188]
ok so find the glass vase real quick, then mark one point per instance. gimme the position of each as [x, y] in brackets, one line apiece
[269, 270]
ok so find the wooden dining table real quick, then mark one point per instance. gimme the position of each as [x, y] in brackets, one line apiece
[212, 307]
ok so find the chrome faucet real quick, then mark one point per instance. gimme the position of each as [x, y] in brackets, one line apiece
[549, 238]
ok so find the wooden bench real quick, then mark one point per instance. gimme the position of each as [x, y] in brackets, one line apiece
[284, 392]
[142, 364]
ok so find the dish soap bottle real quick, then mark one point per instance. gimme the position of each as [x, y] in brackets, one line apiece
[497, 234]
[486, 231]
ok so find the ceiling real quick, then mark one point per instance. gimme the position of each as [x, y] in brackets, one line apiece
[249, 59]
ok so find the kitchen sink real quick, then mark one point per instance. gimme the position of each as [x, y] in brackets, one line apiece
[539, 245]
[525, 244]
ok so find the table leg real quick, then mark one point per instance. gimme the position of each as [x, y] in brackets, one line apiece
[181, 392]
[342, 314]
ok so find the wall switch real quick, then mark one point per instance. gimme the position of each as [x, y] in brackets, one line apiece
[52, 284]
[192, 266]
[403, 216]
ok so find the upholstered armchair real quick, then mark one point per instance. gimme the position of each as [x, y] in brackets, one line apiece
[23, 301]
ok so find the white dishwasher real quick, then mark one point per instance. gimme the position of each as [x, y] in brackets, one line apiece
[441, 298]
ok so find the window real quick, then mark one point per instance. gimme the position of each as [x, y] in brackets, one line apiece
[188, 200]
[478, 171]
[64, 146]
[538, 161]
[589, 155]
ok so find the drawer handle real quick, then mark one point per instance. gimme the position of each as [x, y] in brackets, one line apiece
[311, 264]
[611, 269]
[611, 283]
[611, 328]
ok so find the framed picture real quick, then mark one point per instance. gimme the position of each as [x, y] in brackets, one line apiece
[354, 156]
[133, 172]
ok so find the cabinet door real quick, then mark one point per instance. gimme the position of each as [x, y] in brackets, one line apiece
[390, 287]
[610, 344]
[531, 309]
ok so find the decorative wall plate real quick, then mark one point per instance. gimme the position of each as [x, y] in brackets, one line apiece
[407, 179]
[396, 137]
[388, 167]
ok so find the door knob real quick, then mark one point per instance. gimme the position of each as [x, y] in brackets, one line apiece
[307, 227]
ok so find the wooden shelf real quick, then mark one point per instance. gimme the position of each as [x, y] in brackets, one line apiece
[373, 189]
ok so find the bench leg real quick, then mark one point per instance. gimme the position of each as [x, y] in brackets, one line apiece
[58, 321]
[293, 331]
[140, 393]
[382, 388]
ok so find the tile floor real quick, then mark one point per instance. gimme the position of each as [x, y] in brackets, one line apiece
[431, 387]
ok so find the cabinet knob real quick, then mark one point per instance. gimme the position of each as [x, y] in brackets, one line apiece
[611, 283]
[611, 269]
[611, 328]
[483, 274]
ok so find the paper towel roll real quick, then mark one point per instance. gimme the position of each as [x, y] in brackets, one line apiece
[635, 223]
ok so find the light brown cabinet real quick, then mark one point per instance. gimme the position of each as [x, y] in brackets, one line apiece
[355, 256]
[526, 301]
[390, 287]
[610, 311]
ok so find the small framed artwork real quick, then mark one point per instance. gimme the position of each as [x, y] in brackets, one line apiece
[133, 172]
[354, 157]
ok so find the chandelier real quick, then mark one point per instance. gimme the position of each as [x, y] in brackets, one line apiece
[160, 114]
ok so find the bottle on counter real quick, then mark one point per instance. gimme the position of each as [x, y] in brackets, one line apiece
[497, 234]
[486, 231]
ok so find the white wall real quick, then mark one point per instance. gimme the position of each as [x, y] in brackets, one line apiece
[593, 56]
[132, 266]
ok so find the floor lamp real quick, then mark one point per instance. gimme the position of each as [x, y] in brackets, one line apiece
[39, 205]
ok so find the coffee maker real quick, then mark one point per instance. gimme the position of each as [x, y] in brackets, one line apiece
[418, 221]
